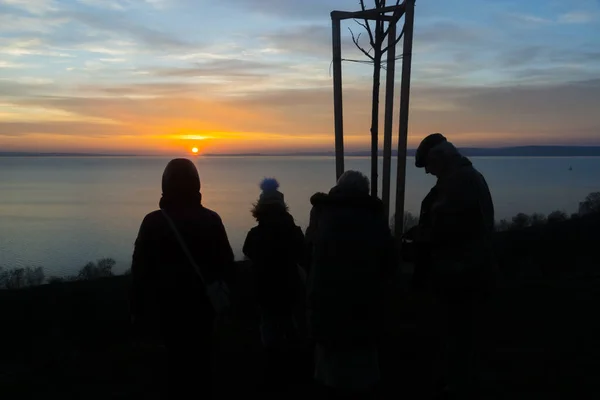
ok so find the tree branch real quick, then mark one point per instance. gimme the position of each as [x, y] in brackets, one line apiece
[368, 25]
[361, 24]
[355, 40]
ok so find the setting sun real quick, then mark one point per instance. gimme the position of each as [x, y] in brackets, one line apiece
[195, 150]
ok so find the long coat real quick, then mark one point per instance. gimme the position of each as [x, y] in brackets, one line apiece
[454, 235]
[351, 255]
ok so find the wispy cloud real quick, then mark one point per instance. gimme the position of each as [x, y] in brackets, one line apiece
[117, 25]
[20, 24]
[37, 7]
[10, 64]
[219, 67]
[26, 47]
[124, 5]
[572, 17]
[531, 20]
[295, 9]
[577, 17]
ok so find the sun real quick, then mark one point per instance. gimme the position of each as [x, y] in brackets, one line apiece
[195, 150]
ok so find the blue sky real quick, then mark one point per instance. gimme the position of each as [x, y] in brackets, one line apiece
[156, 75]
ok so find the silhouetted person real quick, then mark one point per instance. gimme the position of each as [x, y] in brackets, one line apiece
[454, 259]
[276, 248]
[168, 296]
[351, 256]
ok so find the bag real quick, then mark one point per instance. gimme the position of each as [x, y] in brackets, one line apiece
[217, 291]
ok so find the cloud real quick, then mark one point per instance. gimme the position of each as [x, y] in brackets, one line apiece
[71, 128]
[516, 57]
[314, 40]
[19, 24]
[443, 33]
[312, 9]
[124, 5]
[37, 7]
[469, 115]
[572, 17]
[117, 26]
[108, 4]
[29, 46]
[219, 67]
[577, 17]
[9, 64]
[531, 20]
[535, 112]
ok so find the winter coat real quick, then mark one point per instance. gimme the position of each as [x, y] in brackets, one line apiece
[454, 235]
[352, 254]
[166, 290]
[276, 248]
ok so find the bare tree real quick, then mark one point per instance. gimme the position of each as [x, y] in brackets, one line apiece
[377, 36]
[591, 204]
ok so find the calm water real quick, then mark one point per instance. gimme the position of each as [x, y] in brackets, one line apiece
[60, 213]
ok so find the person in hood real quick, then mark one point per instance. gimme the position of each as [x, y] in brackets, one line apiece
[352, 255]
[454, 258]
[168, 298]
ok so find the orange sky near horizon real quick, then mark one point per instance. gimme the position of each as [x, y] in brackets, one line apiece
[284, 120]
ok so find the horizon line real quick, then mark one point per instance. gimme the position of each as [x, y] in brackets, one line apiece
[366, 152]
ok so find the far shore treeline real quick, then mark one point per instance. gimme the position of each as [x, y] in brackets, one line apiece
[515, 151]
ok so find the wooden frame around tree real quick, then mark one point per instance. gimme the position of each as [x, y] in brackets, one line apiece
[407, 9]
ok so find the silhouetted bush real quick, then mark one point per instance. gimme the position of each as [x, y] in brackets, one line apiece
[521, 221]
[17, 278]
[102, 268]
[591, 204]
[557, 216]
[537, 219]
[34, 276]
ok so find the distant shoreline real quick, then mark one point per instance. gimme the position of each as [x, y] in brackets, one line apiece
[26, 154]
[519, 151]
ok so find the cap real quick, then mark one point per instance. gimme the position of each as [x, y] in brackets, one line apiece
[427, 144]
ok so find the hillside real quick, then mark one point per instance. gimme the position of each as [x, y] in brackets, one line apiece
[72, 340]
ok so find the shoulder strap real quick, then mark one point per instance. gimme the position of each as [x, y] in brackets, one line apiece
[184, 247]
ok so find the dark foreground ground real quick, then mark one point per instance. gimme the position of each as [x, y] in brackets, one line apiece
[72, 340]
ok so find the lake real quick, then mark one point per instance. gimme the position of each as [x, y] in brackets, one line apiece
[61, 212]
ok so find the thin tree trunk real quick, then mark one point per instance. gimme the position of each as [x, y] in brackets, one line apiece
[375, 123]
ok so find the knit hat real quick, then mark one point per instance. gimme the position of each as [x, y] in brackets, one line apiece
[426, 145]
[270, 194]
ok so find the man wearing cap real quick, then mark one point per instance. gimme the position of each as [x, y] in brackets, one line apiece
[454, 259]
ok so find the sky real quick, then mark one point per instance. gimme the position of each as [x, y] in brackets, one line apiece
[227, 76]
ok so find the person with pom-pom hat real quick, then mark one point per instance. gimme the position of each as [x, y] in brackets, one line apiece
[275, 247]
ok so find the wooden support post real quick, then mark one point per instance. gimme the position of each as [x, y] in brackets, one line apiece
[389, 118]
[337, 95]
[373, 13]
[404, 107]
